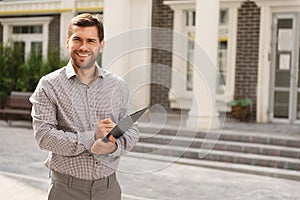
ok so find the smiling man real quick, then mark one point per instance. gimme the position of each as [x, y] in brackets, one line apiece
[73, 109]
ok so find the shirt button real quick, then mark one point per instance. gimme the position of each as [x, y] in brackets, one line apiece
[96, 162]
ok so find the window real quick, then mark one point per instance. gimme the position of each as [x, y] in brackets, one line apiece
[27, 29]
[222, 51]
[190, 18]
[223, 17]
[190, 27]
[222, 60]
[31, 36]
[37, 48]
[33, 32]
[189, 76]
[19, 51]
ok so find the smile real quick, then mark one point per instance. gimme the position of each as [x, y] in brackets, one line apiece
[84, 55]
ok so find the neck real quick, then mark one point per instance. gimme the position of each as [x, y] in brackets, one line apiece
[87, 76]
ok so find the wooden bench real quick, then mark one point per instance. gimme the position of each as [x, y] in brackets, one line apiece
[18, 107]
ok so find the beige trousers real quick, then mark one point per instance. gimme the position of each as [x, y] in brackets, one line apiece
[64, 187]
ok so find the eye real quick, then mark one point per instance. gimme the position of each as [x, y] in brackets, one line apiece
[76, 39]
[91, 41]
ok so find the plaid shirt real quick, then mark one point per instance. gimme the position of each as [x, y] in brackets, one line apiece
[65, 113]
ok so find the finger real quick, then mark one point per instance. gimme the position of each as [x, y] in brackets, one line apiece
[105, 129]
[106, 121]
[100, 147]
[96, 148]
[106, 124]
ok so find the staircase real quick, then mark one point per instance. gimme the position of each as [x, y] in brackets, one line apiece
[256, 152]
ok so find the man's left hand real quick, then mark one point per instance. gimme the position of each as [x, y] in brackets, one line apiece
[100, 147]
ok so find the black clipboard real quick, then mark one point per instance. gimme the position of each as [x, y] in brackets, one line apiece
[123, 125]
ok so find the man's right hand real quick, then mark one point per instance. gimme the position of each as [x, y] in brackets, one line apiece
[103, 128]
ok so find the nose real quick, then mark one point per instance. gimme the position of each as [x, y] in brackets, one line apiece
[83, 46]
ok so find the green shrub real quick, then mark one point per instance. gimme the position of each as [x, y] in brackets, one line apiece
[241, 102]
[20, 75]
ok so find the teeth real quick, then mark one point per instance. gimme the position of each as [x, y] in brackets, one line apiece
[85, 55]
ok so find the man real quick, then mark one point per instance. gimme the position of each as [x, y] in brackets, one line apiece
[73, 109]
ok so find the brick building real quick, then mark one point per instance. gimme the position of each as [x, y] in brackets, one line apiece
[257, 48]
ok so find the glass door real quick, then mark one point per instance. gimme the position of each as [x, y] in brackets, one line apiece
[285, 84]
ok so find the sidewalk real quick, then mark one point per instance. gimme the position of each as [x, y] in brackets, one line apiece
[14, 189]
[23, 176]
[152, 180]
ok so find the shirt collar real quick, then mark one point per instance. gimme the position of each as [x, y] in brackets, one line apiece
[70, 72]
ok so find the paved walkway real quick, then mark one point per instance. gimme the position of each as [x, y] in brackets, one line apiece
[23, 176]
[170, 182]
[13, 188]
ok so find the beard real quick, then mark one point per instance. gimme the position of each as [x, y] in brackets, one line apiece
[85, 63]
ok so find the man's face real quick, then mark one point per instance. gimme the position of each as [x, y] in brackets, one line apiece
[84, 46]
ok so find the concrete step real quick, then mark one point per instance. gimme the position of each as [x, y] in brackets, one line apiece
[220, 156]
[226, 135]
[224, 145]
[267, 149]
[242, 168]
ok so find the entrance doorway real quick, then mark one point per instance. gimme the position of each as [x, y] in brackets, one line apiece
[285, 84]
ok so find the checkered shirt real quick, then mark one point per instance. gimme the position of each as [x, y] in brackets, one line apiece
[65, 113]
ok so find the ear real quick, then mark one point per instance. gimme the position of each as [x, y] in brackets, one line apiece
[67, 42]
[101, 45]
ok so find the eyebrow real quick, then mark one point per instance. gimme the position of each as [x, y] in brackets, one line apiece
[89, 39]
[76, 37]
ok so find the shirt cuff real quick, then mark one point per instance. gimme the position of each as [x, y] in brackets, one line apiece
[117, 152]
[87, 139]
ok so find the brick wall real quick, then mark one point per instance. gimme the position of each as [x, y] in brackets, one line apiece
[162, 17]
[54, 33]
[247, 53]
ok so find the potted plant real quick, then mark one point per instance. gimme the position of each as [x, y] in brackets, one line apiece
[240, 109]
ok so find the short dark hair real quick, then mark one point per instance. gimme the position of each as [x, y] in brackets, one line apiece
[85, 20]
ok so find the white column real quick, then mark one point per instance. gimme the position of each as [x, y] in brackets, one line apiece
[127, 42]
[116, 22]
[232, 34]
[6, 33]
[138, 70]
[179, 96]
[263, 82]
[45, 39]
[65, 19]
[203, 114]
